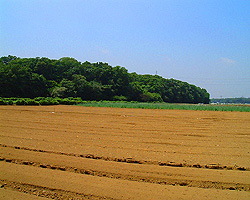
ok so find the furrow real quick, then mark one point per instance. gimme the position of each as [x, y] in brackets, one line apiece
[51, 193]
[132, 160]
[148, 179]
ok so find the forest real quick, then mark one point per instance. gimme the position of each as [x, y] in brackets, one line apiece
[67, 77]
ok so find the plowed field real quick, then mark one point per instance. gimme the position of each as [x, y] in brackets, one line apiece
[73, 152]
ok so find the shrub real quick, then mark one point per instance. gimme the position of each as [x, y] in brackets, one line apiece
[67, 101]
[10, 102]
[120, 98]
[3, 102]
[21, 102]
[55, 102]
[32, 102]
[150, 97]
[44, 102]
[39, 98]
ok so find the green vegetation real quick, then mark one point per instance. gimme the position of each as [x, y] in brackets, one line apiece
[67, 77]
[41, 101]
[168, 106]
[120, 104]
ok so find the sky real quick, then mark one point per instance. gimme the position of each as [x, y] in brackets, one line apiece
[202, 42]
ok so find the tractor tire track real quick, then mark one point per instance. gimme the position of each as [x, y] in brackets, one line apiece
[131, 160]
[47, 192]
[148, 179]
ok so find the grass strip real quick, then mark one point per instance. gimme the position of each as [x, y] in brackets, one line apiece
[168, 106]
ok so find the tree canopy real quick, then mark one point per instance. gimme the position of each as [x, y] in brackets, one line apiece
[67, 77]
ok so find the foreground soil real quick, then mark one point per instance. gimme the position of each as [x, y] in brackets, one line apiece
[73, 152]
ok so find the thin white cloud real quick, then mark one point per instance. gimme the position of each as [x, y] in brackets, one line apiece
[104, 51]
[227, 61]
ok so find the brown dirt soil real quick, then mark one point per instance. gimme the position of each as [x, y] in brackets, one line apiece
[73, 152]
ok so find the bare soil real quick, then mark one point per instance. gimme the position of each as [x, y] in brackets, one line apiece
[73, 152]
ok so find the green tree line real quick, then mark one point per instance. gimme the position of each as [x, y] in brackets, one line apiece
[238, 100]
[67, 77]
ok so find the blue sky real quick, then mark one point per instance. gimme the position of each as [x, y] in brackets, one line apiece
[202, 42]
